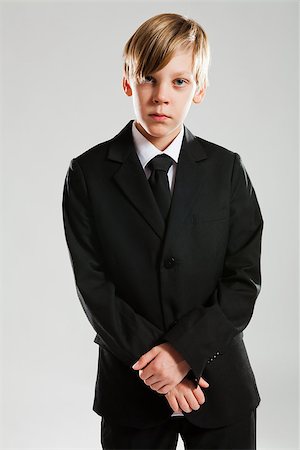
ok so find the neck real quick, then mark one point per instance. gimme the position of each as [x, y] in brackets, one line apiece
[161, 143]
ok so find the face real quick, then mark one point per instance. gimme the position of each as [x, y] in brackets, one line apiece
[168, 92]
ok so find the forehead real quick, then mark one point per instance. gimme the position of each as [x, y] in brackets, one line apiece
[180, 64]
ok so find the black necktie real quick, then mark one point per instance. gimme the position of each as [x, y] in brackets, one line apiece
[159, 183]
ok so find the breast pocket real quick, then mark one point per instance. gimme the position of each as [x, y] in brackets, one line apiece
[200, 219]
[209, 234]
[209, 216]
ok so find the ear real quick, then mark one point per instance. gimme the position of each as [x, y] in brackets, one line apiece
[199, 94]
[126, 86]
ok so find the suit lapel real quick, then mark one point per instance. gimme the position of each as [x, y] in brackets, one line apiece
[132, 181]
[189, 180]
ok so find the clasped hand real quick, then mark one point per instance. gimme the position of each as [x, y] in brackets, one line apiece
[163, 369]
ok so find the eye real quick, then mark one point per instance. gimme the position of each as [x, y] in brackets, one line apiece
[180, 79]
[147, 78]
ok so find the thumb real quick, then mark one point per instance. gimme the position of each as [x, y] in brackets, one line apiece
[143, 360]
[203, 383]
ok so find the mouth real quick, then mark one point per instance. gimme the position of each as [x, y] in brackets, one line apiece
[159, 117]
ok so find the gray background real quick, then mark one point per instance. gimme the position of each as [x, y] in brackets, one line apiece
[61, 94]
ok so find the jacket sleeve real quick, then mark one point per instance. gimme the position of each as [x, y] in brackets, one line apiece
[207, 330]
[127, 334]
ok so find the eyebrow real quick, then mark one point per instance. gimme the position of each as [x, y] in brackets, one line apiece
[177, 74]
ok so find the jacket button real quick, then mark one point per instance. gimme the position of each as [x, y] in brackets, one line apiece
[169, 262]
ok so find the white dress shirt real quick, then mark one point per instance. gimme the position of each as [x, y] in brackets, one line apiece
[146, 151]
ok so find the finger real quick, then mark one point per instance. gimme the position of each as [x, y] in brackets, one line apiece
[164, 389]
[192, 401]
[165, 384]
[151, 380]
[145, 359]
[184, 405]
[146, 373]
[173, 402]
[203, 383]
[160, 387]
[198, 393]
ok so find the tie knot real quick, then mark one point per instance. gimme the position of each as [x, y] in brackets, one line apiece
[160, 162]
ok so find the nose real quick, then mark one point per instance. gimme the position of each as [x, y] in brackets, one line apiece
[160, 94]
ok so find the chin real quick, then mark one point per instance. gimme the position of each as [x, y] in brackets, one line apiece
[159, 127]
[157, 131]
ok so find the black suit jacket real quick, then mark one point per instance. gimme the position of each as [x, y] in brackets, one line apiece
[192, 282]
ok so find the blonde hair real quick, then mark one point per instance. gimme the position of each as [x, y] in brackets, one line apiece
[153, 44]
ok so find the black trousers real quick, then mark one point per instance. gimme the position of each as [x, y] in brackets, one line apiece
[238, 436]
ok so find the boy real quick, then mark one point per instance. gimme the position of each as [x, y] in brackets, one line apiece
[164, 233]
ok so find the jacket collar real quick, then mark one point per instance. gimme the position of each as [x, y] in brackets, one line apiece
[122, 145]
[132, 180]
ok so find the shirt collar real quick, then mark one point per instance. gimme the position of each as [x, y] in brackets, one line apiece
[146, 150]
